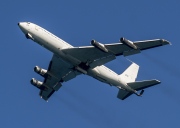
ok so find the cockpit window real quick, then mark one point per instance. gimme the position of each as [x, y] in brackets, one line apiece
[27, 23]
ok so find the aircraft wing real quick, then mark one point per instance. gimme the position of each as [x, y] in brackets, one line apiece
[126, 50]
[59, 71]
[147, 44]
[95, 57]
[89, 54]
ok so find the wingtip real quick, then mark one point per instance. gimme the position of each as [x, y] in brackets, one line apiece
[158, 81]
[165, 42]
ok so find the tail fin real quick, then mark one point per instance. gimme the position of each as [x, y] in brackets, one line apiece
[130, 74]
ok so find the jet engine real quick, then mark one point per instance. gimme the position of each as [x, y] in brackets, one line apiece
[128, 43]
[99, 46]
[38, 84]
[40, 71]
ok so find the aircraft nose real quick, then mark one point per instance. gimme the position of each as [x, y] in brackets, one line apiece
[21, 26]
[19, 23]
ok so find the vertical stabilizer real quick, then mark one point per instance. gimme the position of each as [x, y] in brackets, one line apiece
[130, 74]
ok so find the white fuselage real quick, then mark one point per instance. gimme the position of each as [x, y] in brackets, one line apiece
[55, 44]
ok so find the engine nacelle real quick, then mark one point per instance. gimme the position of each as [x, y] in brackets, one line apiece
[37, 84]
[128, 43]
[99, 46]
[40, 71]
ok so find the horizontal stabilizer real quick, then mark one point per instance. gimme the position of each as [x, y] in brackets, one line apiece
[123, 94]
[139, 85]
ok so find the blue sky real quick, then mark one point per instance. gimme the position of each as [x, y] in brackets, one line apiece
[84, 101]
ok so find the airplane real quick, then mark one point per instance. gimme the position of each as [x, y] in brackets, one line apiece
[68, 62]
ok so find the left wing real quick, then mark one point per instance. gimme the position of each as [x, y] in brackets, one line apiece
[58, 71]
[102, 53]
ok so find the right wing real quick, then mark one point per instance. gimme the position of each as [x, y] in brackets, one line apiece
[58, 71]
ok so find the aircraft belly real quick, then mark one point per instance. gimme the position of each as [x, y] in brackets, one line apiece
[99, 73]
[49, 42]
[50, 45]
[106, 77]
